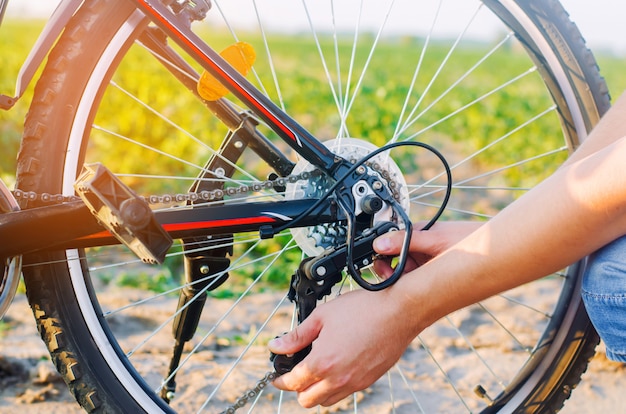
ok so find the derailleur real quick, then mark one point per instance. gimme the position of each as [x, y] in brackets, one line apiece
[316, 276]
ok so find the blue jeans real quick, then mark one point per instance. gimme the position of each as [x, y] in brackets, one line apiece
[604, 295]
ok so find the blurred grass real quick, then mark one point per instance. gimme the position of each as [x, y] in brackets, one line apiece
[303, 98]
[17, 36]
[16, 39]
[613, 68]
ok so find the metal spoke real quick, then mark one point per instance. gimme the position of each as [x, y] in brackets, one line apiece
[444, 373]
[443, 63]
[416, 74]
[182, 130]
[473, 349]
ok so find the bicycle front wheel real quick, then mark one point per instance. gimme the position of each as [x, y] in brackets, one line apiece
[505, 89]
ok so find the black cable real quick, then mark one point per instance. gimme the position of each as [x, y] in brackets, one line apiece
[387, 147]
[393, 204]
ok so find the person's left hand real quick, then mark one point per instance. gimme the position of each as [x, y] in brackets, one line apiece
[356, 339]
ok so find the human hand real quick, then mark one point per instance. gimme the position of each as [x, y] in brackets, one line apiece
[356, 338]
[424, 245]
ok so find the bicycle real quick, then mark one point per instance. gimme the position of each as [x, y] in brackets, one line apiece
[268, 179]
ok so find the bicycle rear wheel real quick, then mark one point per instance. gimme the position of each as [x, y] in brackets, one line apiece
[504, 106]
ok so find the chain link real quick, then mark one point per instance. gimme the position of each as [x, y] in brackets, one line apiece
[43, 197]
[252, 393]
[213, 195]
[181, 197]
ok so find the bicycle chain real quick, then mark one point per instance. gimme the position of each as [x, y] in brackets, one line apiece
[214, 195]
[251, 393]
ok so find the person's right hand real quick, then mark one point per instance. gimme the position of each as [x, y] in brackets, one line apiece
[424, 244]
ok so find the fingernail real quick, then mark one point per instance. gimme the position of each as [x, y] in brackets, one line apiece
[274, 343]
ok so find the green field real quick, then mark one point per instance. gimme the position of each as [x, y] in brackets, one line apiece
[304, 101]
[17, 36]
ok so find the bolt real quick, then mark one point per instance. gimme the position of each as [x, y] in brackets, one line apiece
[361, 189]
[204, 269]
[135, 213]
[377, 185]
[238, 144]
[360, 169]
[170, 395]
[371, 204]
[321, 271]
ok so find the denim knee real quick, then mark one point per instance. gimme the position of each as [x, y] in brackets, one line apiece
[604, 295]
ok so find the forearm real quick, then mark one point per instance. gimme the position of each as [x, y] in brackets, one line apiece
[574, 212]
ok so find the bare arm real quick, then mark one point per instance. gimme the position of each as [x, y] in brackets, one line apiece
[425, 245]
[574, 212]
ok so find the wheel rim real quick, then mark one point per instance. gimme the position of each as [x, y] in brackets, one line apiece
[465, 181]
[10, 267]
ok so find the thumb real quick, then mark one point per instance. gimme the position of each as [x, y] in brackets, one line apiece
[292, 342]
[389, 243]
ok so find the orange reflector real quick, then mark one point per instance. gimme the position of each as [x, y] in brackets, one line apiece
[240, 56]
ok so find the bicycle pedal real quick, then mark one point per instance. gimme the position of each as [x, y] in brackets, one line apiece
[126, 215]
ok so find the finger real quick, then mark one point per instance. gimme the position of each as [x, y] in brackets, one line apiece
[389, 243]
[298, 379]
[320, 393]
[428, 243]
[383, 268]
[327, 393]
[302, 335]
[335, 398]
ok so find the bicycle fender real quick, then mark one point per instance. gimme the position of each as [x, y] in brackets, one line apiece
[53, 28]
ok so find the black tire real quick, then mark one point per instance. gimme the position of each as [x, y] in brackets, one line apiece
[70, 309]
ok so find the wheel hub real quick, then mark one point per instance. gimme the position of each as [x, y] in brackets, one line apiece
[314, 240]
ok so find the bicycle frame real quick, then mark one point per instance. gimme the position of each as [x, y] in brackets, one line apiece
[71, 225]
[59, 283]
[288, 129]
[204, 220]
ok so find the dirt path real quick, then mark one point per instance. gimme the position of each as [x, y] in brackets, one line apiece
[29, 383]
